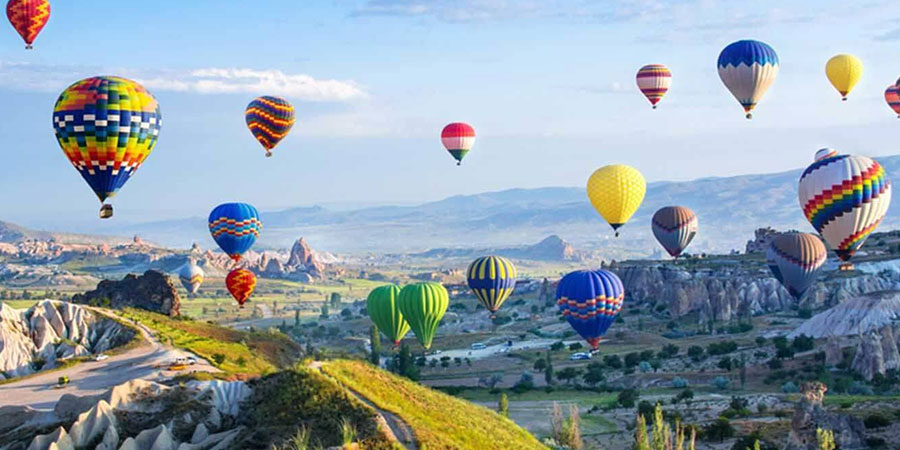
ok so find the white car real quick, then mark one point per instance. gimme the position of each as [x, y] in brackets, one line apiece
[191, 360]
[580, 356]
[100, 357]
[478, 346]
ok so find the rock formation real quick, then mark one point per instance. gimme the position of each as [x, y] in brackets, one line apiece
[869, 358]
[809, 415]
[152, 291]
[52, 331]
[834, 353]
[762, 237]
[859, 315]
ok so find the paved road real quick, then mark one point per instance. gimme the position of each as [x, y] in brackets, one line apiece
[148, 361]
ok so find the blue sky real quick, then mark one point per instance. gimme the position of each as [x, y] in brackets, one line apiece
[547, 84]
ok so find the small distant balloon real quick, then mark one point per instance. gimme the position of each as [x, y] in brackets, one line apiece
[191, 277]
[240, 283]
[674, 227]
[28, 17]
[653, 80]
[795, 260]
[844, 71]
[892, 97]
[748, 68]
[269, 119]
[616, 192]
[235, 227]
[458, 138]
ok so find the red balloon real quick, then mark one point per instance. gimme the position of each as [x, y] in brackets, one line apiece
[28, 17]
[241, 283]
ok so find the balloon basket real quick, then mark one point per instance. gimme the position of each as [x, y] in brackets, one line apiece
[843, 99]
[268, 154]
[459, 163]
[654, 106]
[29, 47]
[846, 267]
[106, 211]
[749, 116]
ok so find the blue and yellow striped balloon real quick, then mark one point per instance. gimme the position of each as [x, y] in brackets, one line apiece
[235, 227]
[492, 279]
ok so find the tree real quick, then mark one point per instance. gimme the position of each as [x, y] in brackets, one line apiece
[503, 407]
[612, 361]
[803, 343]
[632, 360]
[695, 352]
[743, 369]
[568, 374]
[576, 346]
[540, 364]
[760, 341]
[725, 364]
[557, 346]
[668, 351]
[593, 374]
[627, 397]
[405, 365]
[375, 344]
[656, 364]
[719, 430]
[218, 358]
[324, 314]
[335, 299]
[825, 439]
[297, 318]
[548, 370]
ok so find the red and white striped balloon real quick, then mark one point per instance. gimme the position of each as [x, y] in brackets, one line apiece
[653, 80]
[458, 138]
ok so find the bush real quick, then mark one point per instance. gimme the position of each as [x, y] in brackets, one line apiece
[218, 358]
[679, 383]
[557, 346]
[719, 430]
[803, 343]
[576, 346]
[721, 348]
[627, 398]
[685, 396]
[632, 359]
[695, 352]
[876, 421]
[645, 367]
[612, 361]
[721, 382]
[789, 388]
[875, 442]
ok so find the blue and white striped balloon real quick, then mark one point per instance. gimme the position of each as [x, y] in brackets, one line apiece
[748, 68]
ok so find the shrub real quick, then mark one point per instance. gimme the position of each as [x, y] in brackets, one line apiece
[557, 346]
[719, 430]
[876, 421]
[612, 361]
[576, 346]
[721, 382]
[218, 358]
[645, 367]
[695, 352]
[679, 383]
[803, 343]
[627, 397]
[721, 348]
[789, 388]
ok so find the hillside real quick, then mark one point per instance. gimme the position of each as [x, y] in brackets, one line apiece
[729, 209]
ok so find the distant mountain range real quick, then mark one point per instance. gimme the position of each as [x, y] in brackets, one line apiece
[729, 210]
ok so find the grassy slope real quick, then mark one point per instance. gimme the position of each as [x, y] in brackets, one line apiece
[441, 422]
[261, 352]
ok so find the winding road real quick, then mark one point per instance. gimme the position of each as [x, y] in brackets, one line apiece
[147, 360]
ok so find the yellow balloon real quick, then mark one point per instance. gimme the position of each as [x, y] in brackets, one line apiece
[616, 192]
[844, 71]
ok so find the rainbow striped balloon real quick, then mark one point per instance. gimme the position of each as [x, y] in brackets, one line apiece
[844, 197]
[269, 119]
[653, 80]
[892, 97]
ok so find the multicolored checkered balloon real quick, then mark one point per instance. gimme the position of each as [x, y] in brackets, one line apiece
[106, 126]
[269, 119]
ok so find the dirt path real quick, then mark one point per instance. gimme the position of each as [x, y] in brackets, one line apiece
[391, 424]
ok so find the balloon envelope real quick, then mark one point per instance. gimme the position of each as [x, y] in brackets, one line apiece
[423, 305]
[106, 126]
[458, 138]
[269, 119]
[748, 68]
[240, 283]
[844, 197]
[795, 260]
[674, 227]
[843, 71]
[590, 301]
[28, 17]
[492, 279]
[382, 304]
[892, 97]
[235, 227]
[653, 80]
[616, 192]
[191, 277]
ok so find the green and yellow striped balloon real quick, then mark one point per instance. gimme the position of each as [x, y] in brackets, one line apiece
[385, 314]
[423, 305]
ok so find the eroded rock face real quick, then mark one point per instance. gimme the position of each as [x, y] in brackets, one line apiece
[809, 415]
[152, 291]
[52, 331]
[859, 315]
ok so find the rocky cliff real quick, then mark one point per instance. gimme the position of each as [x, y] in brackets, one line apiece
[152, 291]
[810, 415]
[50, 332]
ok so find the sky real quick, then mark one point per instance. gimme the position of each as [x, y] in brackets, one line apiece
[547, 84]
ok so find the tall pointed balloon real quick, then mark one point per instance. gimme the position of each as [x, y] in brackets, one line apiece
[382, 304]
[235, 227]
[191, 277]
[674, 227]
[269, 119]
[795, 260]
[748, 68]
[241, 283]
[844, 71]
[423, 305]
[28, 17]
[616, 192]
[590, 300]
[653, 80]
[844, 197]
[458, 138]
[106, 126]
[892, 97]
[492, 279]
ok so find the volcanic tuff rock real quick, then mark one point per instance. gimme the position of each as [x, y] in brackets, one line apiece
[52, 331]
[859, 315]
[152, 291]
[809, 415]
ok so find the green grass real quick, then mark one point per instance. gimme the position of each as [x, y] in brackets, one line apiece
[440, 422]
[260, 353]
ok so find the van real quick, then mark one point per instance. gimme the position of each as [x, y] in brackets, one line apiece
[478, 346]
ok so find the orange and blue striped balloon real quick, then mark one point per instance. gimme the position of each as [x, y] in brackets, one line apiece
[590, 300]
[492, 279]
[269, 119]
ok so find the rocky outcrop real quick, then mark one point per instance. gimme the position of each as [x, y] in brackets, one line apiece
[152, 291]
[762, 237]
[809, 415]
[303, 258]
[869, 358]
[834, 352]
[51, 331]
[225, 396]
[860, 315]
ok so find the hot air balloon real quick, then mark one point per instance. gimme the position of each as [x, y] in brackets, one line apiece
[844, 197]
[843, 71]
[384, 311]
[241, 283]
[616, 192]
[191, 277]
[590, 301]
[423, 305]
[269, 119]
[106, 126]
[235, 227]
[492, 279]
[28, 17]
[892, 97]
[653, 80]
[748, 68]
[674, 228]
[458, 138]
[795, 260]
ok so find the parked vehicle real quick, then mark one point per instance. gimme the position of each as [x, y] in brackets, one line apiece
[191, 360]
[100, 357]
[579, 356]
[478, 346]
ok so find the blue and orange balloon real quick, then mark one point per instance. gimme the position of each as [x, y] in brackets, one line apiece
[270, 119]
[235, 227]
[590, 300]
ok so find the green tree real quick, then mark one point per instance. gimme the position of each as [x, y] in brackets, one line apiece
[627, 398]
[405, 365]
[593, 374]
[324, 314]
[540, 364]
[297, 318]
[825, 439]
[335, 299]
[568, 374]
[375, 344]
[503, 407]
[548, 370]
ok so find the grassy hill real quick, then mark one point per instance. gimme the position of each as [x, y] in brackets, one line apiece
[440, 422]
